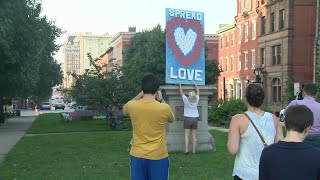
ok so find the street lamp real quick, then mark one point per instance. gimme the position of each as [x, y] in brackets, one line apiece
[257, 72]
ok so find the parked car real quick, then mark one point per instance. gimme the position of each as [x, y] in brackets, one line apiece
[59, 106]
[45, 106]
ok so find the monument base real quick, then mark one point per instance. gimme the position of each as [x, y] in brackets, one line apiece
[175, 131]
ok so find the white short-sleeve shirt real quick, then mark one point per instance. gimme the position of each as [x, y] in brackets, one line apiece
[190, 108]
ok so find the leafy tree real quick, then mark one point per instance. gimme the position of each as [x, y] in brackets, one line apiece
[97, 89]
[289, 90]
[144, 54]
[212, 71]
[27, 44]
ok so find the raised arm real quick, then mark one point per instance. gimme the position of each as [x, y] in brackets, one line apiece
[180, 90]
[197, 89]
[139, 96]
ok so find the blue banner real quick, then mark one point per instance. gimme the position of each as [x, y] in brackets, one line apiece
[185, 60]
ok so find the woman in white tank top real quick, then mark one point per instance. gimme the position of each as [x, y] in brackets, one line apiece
[243, 139]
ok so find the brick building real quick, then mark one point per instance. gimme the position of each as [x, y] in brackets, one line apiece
[238, 54]
[212, 43]
[286, 37]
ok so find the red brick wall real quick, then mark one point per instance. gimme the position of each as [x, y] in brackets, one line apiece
[304, 34]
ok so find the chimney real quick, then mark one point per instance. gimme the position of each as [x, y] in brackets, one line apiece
[132, 29]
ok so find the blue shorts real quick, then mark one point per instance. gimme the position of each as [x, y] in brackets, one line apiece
[146, 169]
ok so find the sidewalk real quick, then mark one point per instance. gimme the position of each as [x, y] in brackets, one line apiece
[14, 129]
[218, 128]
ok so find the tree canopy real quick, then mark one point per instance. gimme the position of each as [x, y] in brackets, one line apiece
[27, 46]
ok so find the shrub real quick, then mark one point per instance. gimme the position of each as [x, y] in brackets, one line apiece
[221, 111]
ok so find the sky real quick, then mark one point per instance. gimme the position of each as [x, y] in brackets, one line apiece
[112, 16]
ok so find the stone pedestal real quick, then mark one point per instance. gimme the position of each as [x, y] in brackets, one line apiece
[175, 131]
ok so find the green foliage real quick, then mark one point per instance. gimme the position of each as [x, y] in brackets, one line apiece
[144, 54]
[212, 71]
[27, 46]
[289, 90]
[220, 111]
[98, 89]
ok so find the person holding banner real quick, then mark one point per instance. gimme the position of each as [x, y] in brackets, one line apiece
[191, 115]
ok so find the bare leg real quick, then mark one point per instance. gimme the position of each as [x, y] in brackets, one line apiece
[194, 140]
[186, 140]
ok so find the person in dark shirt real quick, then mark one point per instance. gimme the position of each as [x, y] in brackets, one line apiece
[292, 158]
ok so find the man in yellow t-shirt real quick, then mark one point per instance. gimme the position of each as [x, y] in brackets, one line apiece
[149, 115]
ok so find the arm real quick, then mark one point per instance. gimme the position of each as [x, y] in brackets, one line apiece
[234, 136]
[159, 97]
[279, 133]
[197, 89]
[139, 96]
[180, 90]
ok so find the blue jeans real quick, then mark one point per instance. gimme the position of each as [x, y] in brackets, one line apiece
[314, 140]
[146, 169]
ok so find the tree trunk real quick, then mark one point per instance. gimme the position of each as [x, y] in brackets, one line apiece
[1, 111]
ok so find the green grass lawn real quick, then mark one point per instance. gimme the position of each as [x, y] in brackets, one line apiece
[53, 123]
[103, 155]
[99, 154]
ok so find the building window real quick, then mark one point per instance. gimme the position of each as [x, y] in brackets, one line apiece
[276, 54]
[239, 34]
[246, 32]
[281, 20]
[239, 61]
[221, 64]
[239, 91]
[232, 39]
[246, 60]
[276, 90]
[253, 58]
[254, 30]
[231, 92]
[272, 22]
[227, 41]
[263, 56]
[227, 64]
[232, 63]
[263, 25]
[221, 42]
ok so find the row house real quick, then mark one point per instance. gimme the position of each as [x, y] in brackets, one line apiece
[113, 55]
[274, 36]
[286, 46]
[238, 50]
